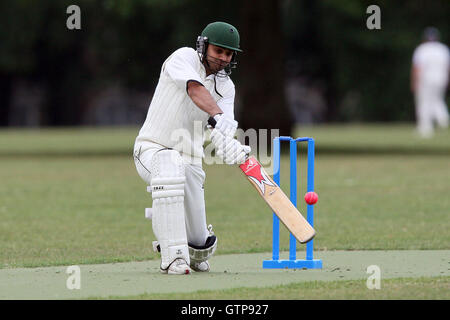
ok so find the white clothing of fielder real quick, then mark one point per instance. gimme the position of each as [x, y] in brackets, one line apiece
[432, 59]
[168, 153]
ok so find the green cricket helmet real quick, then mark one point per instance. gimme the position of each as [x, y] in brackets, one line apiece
[223, 35]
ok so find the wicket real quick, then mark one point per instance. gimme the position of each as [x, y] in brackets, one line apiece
[293, 262]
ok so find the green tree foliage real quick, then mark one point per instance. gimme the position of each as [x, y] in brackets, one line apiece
[334, 48]
[363, 74]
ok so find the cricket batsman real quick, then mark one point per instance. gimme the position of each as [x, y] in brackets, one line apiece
[194, 85]
[429, 80]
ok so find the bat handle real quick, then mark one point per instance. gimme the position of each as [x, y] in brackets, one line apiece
[212, 122]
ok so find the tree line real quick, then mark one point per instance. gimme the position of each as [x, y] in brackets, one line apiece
[360, 74]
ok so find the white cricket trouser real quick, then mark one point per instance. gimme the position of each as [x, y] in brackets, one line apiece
[430, 107]
[194, 200]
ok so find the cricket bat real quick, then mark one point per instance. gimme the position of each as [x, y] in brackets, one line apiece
[275, 198]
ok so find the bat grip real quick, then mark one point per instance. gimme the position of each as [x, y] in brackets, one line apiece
[212, 122]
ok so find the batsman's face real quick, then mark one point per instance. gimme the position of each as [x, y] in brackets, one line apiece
[218, 57]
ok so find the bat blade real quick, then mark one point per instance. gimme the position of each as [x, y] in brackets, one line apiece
[277, 200]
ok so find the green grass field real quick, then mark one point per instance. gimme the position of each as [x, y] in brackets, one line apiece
[398, 289]
[72, 196]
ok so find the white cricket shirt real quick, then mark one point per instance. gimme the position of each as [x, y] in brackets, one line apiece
[173, 120]
[433, 60]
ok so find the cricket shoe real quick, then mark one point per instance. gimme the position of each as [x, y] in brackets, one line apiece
[178, 266]
[200, 266]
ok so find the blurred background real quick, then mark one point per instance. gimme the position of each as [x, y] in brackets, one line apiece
[72, 102]
[304, 62]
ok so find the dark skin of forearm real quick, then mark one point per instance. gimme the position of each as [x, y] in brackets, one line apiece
[202, 98]
[414, 76]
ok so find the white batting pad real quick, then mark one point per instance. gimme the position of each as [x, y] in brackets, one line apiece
[155, 245]
[148, 213]
[168, 219]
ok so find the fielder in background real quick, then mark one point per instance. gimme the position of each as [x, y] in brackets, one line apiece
[429, 80]
[194, 85]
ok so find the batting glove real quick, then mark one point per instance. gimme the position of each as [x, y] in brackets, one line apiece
[225, 125]
[231, 151]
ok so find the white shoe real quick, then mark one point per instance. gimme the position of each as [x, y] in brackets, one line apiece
[200, 266]
[178, 266]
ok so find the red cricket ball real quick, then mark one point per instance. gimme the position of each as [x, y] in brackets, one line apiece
[311, 197]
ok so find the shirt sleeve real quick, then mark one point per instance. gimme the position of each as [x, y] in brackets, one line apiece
[416, 57]
[181, 67]
[226, 103]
